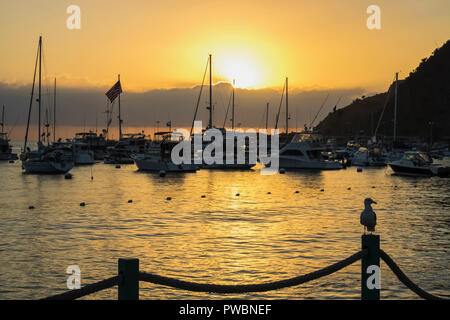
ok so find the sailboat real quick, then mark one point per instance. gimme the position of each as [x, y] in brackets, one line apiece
[5, 148]
[50, 159]
[237, 148]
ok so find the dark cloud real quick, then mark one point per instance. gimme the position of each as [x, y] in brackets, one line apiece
[84, 107]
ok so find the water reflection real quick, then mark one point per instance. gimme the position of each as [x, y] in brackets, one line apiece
[221, 238]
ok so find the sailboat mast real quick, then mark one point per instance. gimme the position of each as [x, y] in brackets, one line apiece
[232, 109]
[54, 112]
[3, 118]
[31, 101]
[210, 93]
[120, 119]
[287, 108]
[395, 107]
[267, 116]
[39, 97]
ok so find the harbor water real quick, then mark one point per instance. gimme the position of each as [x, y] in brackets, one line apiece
[248, 228]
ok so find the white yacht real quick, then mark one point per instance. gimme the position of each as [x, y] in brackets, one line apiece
[83, 155]
[416, 163]
[304, 152]
[372, 157]
[157, 157]
[55, 158]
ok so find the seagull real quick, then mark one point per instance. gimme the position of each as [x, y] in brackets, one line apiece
[368, 217]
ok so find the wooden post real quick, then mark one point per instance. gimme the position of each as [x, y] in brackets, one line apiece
[370, 268]
[129, 286]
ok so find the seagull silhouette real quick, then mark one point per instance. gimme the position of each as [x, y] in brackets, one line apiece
[368, 217]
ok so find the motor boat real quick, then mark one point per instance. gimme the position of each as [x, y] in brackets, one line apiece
[416, 163]
[5, 148]
[157, 156]
[372, 157]
[127, 145]
[305, 152]
[95, 142]
[83, 155]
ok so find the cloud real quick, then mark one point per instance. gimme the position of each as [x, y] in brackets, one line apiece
[84, 107]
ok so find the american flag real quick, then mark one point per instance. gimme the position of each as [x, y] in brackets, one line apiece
[114, 92]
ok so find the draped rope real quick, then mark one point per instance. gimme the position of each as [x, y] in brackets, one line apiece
[218, 288]
[405, 280]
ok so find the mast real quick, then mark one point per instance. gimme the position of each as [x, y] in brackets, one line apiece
[3, 119]
[120, 119]
[54, 113]
[31, 100]
[39, 97]
[232, 109]
[267, 116]
[210, 93]
[395, 107]
[47, 125]
[287, 108]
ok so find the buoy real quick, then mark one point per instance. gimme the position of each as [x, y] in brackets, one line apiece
[203, 196]
[373, 187]
[322, 190]
[269, 192]
[282, 171]
[349, 188]
[168, 198]
[130, 201]
[162, 173]
[82, 204]
[238, 194]
[296, 191]
[68, 176]
[359, 169]
[117, 166]
[31, 207]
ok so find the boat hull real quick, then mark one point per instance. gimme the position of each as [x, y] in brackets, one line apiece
[8, 156]
[297, 164]
[156, 165]
[46, 167]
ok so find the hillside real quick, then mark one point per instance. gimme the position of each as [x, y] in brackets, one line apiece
[423, 97]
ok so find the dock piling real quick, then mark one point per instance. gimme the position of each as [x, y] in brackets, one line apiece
[370, 268]
[129, 284]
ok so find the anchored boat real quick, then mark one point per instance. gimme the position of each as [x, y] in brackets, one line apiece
[55, 158]
[5, 148]
[158, 156]
[303, 152]
[416, 163]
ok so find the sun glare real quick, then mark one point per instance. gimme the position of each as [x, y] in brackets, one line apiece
[243, 70]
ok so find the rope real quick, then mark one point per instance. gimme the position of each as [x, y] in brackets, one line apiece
[86, 290]
[217, 288]
[405, 280]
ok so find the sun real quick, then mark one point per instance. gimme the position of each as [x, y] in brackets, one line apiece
[245, 71]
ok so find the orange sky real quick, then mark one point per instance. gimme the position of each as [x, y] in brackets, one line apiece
[165, 44]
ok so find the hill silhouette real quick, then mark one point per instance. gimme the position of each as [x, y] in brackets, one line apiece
[423, 102]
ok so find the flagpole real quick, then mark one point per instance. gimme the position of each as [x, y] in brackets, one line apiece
[120, 119]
